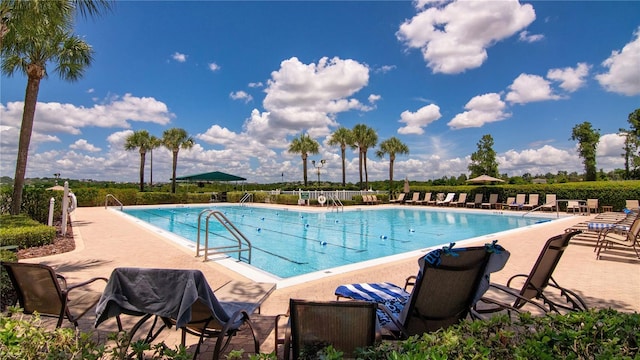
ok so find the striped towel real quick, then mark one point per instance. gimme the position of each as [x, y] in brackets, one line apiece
[604, 226]
[391, 296]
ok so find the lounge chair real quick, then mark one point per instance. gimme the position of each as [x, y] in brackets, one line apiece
[182, 298]
[549, 203]
[374, 200]
[510, 201]
[518, 203]
[448, 283]
[366, 199]
[476, 202]
[573, 206]
[439, 197]
[41, 290]
[400, 198]
[414, 198]
[462, 198]
[446, 200]
[536, 285]
[532, 203]
[629, 238]
[426, 198]
[313, 325]
[493, 200]
[633, 205]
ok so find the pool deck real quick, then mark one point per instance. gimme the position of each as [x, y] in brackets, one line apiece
[104, 241]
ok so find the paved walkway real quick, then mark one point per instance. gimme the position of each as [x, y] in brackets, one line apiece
[104, 240]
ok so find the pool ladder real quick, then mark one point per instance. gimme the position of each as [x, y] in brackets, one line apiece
[243, 244]
[335, 203]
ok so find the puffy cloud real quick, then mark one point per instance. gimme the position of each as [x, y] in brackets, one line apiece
[538, 161]
[84, 145]
[623, 76]
[214, 67]
[373, 98]
[571, 79]
[179, 57]
[416, 121]
[528, 88]
[241, 95]
[455, 36]
[481, 109]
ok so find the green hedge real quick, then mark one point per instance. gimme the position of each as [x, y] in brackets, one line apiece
[22, 231]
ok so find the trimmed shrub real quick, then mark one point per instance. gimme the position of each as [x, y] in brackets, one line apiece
[25, 232]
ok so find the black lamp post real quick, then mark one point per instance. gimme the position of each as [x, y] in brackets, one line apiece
[318, 167]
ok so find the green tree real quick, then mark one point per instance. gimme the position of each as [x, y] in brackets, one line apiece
[304, 145]
[34, 34]
[483, 161]
[140, 140]
[175, 139]
[392, 146]
[342, 137]
[632, 146]
[364, 138]
[588, 139]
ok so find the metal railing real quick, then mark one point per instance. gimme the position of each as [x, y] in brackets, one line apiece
[247, 197]
[243, 245]
[334, 202]
[110, 196]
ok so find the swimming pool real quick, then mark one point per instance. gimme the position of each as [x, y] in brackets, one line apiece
[288, 242]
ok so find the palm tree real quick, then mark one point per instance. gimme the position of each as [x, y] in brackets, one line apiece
[154, 143]
[140, 140]
[342, 137]
[304, 145]
[364, 137]
[392, 146]
[174, 140]
[33, 34]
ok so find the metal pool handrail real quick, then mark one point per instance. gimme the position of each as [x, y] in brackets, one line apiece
[233, 230]
[106, 201]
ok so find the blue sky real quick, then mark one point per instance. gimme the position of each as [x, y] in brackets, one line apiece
[244, 78]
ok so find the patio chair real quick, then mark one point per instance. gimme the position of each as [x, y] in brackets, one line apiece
[182, 298]
[629, 238]
[549, 203]
[532, 203]
[439, 197]
[400, 198]
[366, 199]
[493, 200]
[374, 200]
[414, 198]
[313, 325]
[536, 285]
[462, 198]
[510, 201]
[448, 199]
[40, 289]
[476, 202]
[592, 206]
[518, 203]
[449, 282]
[633, 205]
[573, 206]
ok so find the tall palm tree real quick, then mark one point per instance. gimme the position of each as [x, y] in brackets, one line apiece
[174, 140]
[304, 145]
[364, 138]
[342, 137]
[140, 140]
[154, 143]
[33, 34]
[392, 146]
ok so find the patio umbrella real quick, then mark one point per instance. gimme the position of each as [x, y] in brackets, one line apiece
[56, 188]
[406, 185]
[483, 179]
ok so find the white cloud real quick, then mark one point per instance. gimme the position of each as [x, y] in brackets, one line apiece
[571, 79]
[623, 76]
[416, 121]
[84, 145]
[481, 109]
[373, 98]
[538, 161]
[214, 67]
[528, 88]
[454, 37]
[256, 84]
[179, 57]
[385, 69]
[241, 95]
[530, 38]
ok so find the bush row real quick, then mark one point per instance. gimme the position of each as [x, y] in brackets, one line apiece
[24, 232]
[594, 334]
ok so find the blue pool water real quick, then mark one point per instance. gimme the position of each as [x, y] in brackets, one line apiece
[288, 243]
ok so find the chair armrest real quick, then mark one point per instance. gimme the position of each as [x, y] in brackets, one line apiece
[514, 277]
[84, 283]
[410, 281]
[511, 292]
